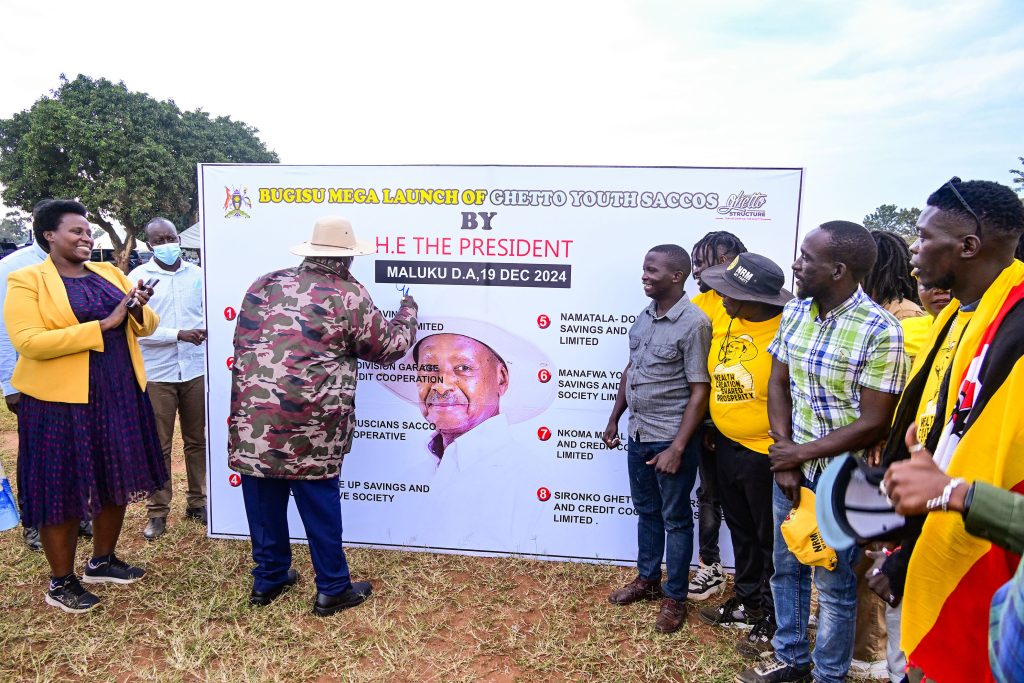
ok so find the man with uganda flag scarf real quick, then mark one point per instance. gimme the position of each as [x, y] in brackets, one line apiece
[963, 399]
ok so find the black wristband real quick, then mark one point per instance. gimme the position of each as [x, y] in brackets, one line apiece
[968, 499]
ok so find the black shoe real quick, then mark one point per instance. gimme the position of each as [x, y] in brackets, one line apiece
[155, 529]
[264, 598]
[774, 670]
[356, 594]
[69, 596]
[732, 614]
[759, 640]
[85, 529]
[111, 570]
[31, 536]
[196, 514]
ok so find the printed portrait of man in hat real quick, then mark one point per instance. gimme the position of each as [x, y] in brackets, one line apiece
[474, 382]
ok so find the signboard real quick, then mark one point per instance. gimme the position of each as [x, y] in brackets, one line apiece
[535, 269]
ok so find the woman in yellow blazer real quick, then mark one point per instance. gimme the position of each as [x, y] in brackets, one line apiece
[87, 441]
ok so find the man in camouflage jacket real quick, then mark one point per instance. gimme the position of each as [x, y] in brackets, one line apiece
[298, 336]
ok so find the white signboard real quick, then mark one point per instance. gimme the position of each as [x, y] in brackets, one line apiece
[540, 264]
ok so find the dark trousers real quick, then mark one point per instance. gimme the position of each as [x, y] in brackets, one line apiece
[745, 487]
[709, 508]
[319, 505]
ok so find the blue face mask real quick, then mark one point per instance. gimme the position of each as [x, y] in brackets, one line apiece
[167, 254]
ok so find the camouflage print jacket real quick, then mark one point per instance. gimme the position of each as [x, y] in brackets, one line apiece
[293, 386]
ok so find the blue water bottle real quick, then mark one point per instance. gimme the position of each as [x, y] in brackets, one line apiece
[8, 510]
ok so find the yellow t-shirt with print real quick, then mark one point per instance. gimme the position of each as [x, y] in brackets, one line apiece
[944, 356]
[740, 365]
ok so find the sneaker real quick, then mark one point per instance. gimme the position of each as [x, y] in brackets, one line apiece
[869, 671]
[709, 580]
[812, 623]
[758, 642]
[85, 529]
[111, 570]
[68, 595]
[774, 670]
[731, 614]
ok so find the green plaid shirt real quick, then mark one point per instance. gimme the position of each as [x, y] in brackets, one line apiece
[858, 345]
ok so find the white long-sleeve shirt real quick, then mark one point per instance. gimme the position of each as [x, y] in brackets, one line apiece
[26, 256]
[178, 300]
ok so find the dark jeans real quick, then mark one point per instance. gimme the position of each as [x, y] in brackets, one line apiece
[709, 507]
[745, 480]
[319, 505]
[664, 525]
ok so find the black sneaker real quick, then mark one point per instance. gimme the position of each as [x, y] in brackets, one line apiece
[774, 670]
[731, 614]
[111, 570]
[759, 641]
[708, 581]
[69, 596]
[85, 529]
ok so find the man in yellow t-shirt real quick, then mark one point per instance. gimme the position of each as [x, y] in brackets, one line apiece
[715, 248]
[915, 330]
[752, 292]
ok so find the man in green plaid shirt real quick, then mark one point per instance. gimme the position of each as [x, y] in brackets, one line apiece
[837, 371]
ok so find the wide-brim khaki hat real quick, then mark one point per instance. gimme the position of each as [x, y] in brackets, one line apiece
[333, 236]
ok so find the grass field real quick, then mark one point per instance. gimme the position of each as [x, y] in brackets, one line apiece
[432, 618]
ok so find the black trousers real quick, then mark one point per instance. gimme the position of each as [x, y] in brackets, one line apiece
[745, 491]
[709, 509]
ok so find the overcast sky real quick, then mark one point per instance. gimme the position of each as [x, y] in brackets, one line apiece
[881, 101]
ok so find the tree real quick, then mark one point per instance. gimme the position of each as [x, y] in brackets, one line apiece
[891, 218]
[1018, 176]
[126, 156]
[15, 227]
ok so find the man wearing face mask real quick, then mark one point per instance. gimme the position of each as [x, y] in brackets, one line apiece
[175, 362]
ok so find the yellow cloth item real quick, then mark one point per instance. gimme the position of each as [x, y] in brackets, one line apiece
[739, 365]
[800, 529]
[53, 347]
[915, 331]
[930, 396]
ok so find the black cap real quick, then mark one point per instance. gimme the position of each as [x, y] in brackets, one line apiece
[750, 277]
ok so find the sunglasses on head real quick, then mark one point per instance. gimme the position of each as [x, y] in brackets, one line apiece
[951, 184]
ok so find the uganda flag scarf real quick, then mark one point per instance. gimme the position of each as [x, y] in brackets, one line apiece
[953, 575]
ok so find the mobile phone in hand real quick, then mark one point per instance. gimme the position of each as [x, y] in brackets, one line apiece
[148, 284]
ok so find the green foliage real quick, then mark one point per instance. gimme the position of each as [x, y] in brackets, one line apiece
[891, 218]
[15, 227]
[1018, 176]
[125, 155]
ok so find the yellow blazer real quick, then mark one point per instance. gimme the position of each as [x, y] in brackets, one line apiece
[53, 347]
